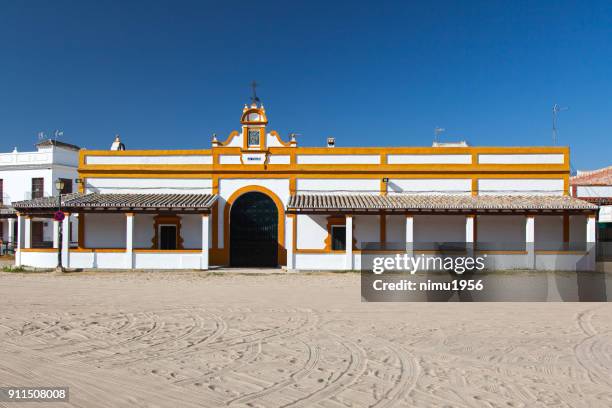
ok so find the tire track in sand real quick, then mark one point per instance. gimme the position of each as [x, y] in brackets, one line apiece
[594, 352]
[354, 370]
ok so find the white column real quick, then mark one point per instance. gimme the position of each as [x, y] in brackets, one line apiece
[11, 231]
[289, 227]
[409, 234]
[56, 228]
[20, 233]
[349, 242]
[205, 241]
[66, 241]
[590, 229]
[27, 232]
[529, 240]
[129, 240]
[591, 237]
[469, 234]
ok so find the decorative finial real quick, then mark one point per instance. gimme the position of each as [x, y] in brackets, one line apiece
[214, 138]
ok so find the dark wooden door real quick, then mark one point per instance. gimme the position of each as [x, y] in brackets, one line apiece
[37, 234]
[254, 231]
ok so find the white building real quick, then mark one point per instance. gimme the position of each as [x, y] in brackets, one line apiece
[596, 187]
[28, 175]
[258, 200]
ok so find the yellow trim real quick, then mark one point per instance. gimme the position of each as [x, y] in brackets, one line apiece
[229, 139]
[245, 139]
[546, 252]
[165, 251]
[101, 250]
[501, 252]
[39, 250]
[275, 134]
[253, 109]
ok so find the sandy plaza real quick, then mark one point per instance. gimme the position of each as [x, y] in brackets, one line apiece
[206, 339]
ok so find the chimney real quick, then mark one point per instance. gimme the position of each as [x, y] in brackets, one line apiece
[117, 145]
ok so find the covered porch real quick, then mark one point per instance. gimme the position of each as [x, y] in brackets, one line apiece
[514, 232]
[121, 231]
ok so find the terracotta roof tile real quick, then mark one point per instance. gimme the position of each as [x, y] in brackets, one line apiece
[112, 201]
[595, 177]
[434, 202]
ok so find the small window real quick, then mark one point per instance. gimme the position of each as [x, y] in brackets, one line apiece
[67, 186]
[338, 237]
[253, 136]
[167, 237]
[38, 187]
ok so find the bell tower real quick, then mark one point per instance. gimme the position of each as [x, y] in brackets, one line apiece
[254, 121]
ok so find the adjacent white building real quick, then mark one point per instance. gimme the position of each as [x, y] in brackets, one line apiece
[31, 175]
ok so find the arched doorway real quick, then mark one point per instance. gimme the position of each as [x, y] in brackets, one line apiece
[254, 231]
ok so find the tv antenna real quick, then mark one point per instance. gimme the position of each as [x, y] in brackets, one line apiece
[555, 113]
[437, 132]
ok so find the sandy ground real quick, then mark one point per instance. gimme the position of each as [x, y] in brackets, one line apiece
[208, 340]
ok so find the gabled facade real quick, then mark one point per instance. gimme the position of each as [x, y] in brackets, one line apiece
[259, 181]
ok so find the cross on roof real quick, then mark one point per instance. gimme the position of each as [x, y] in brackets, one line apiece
[254, 98]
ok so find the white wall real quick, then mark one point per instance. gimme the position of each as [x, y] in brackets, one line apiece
[330, 262]
[429, 159]
[105, 230]
[501, 229]
[230, 159]
[520, 186]
[66, 157]
[396, 229]
[337, 186]
[143, 231]
[430, 186]
[149, 185]
[17, 183]
[311, 231]
[521, 158]
[439, 228]
[548, 230]
[578, 228]
[191, 231]
[594, 191]
[366, 229]
[169, 159]
[279, 159]
[338, 159]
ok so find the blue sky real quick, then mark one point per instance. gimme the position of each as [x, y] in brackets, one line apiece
[169, 74]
